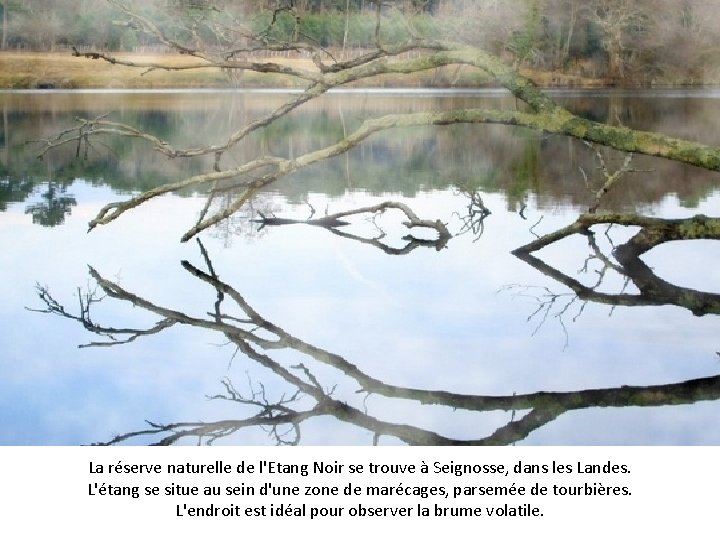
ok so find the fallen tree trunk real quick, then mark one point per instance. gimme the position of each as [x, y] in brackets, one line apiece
[542, 114]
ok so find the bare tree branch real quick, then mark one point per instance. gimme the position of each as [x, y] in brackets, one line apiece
[543, 113]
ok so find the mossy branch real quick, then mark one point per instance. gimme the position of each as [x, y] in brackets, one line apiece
[543, 113]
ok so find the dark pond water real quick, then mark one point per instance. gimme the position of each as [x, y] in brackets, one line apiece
[357, 335]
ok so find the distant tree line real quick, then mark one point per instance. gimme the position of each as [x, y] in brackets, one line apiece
[616, 39]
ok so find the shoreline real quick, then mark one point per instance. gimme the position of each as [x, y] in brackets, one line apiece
[22, 70]
[704, 91]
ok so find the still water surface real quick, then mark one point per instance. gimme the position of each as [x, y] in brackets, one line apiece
[361, 337]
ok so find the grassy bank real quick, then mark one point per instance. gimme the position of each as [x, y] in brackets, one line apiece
[62, 70]
[20, 70]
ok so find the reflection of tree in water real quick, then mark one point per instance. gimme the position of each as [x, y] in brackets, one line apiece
[56, 204]
[264, 342]
[14, 190]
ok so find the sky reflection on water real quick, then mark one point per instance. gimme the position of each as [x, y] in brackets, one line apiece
[462, 333]
[460, 320]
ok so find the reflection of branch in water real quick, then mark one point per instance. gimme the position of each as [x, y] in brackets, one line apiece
[536, 235]
[597, 255]
[653, 232]
[333, 223]
[474, 220]
[547, 300]
[86, 301]
[609, 178]
[285, 412]
[268, 409]
[544, 408]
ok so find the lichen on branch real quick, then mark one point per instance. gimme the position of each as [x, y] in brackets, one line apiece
[541, 112]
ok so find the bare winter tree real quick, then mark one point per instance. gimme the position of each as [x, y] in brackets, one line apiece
[616, 19]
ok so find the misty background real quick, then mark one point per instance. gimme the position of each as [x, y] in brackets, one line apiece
[641, 42]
